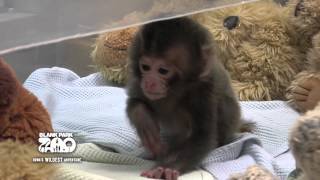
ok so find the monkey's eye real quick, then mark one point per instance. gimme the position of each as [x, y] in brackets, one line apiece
[145, 67]
[163, 71]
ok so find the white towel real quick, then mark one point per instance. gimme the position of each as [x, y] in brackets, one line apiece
[96, 112]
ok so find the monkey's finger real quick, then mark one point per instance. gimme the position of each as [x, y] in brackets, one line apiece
[170, 174]
[158, 173]
[175, 174]
[301, 90]
[299, 97]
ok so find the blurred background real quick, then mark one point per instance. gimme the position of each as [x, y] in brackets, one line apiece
[27, 28]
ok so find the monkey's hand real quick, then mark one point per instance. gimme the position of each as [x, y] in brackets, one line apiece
[149, 134]
[161, 173]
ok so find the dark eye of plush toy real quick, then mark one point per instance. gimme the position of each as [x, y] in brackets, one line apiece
[231, 22]
[299, 8]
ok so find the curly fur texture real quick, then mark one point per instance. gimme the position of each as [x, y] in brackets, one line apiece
[110, 54]
[257, 51]
[16, 162]
[22, 115]
[254, 173]
[313, 71]
[304, 142]
[304, 17]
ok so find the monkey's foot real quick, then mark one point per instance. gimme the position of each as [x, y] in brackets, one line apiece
[161, 173]
[307, 94]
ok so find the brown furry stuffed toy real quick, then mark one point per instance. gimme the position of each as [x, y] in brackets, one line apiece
[304, 17]
[303, 94]
[22, 117]
[253, 41]
[305, 145]
[110, 54]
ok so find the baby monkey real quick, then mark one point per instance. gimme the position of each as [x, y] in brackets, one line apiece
[178, 87]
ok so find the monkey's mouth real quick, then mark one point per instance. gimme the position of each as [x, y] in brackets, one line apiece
[155, 95]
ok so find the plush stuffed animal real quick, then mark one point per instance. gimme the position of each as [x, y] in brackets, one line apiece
[304, 141]
[110, 54]
[305, 146]
[22, 117]
[304, 92]
[304, 16]
[253, 41]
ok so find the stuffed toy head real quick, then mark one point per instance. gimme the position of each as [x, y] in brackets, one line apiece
[304, 16]
[305, 144]
[22, 118]
[22, 115]
[253, 43]
[110, 54]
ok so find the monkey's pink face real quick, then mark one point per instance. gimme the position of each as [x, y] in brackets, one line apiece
[155, 76]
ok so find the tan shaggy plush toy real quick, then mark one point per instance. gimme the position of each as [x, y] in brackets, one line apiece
[304, 17]
[22, 117]
[304, 91]
[110, 54]
[253, 41]
[305, 145]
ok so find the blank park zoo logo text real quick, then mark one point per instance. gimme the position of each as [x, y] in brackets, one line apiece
[56, 143]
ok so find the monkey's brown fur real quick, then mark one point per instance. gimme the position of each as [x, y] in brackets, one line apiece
[199, 111]
[22, 117]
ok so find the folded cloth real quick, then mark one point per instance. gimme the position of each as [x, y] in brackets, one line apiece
[96, 113]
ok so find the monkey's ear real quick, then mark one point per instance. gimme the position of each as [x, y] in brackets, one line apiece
[208, 59]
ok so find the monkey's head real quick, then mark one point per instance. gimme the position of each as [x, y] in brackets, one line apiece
[166, 53]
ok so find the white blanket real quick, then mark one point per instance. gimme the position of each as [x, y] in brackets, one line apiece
[96, 112]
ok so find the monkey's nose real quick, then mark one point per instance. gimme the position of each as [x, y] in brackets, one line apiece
[231, 22]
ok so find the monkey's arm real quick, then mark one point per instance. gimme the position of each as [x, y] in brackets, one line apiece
[147, 129]
[201, 140]
[229, 121]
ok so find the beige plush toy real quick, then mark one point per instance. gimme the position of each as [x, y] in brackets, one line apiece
[110, 54]
[304, 17]
[304, 91]
[253, 41]
[304, 143]
[22, 118]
